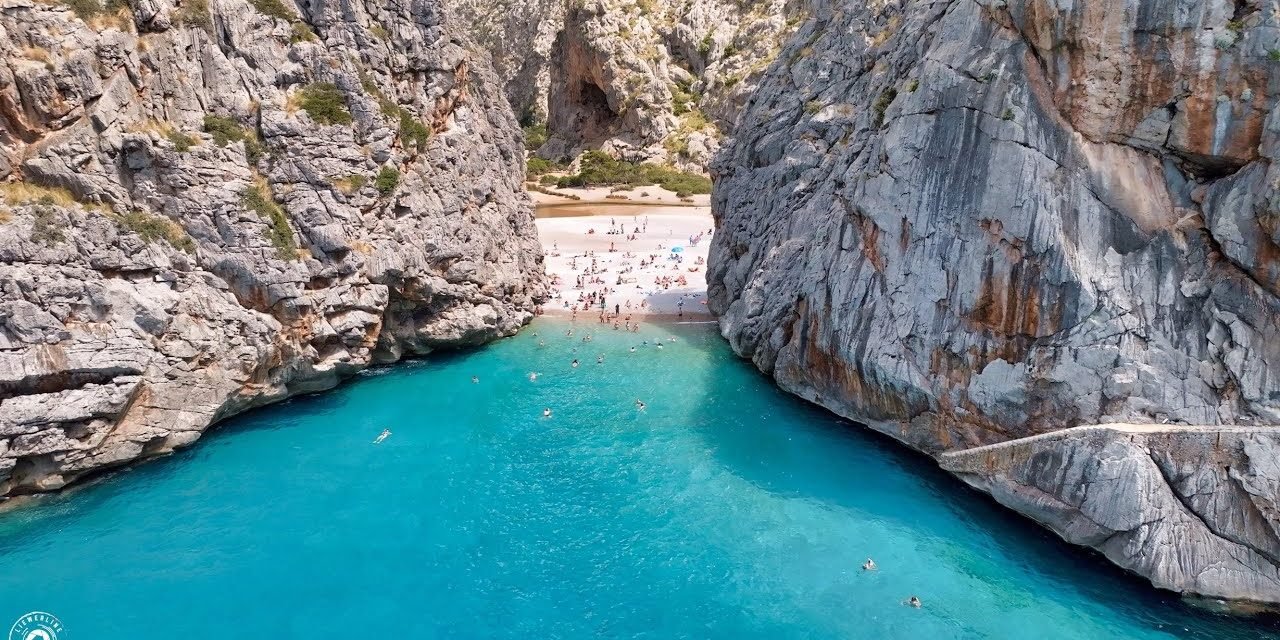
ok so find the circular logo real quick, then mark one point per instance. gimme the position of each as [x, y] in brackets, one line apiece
[36, 625]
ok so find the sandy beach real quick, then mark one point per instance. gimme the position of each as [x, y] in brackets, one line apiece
[642, 257]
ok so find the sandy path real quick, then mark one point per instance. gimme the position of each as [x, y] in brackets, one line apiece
[571, 252]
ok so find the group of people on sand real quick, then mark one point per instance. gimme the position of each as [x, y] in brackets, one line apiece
[601, 273]
[870, 565]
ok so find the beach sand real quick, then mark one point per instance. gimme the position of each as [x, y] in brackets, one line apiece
[665, 223]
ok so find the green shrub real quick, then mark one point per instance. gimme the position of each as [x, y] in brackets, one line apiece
[226, 131]
[535, 135]
[413, 134]
[274, 9]
[813, 106]
[704, 47]
[882, 104]
[599, 169]
[379, 32]
[538, 166]
[46, 229]
[913, 85]
[257, 198]
[195, 13]
[151, 228]
[181, 141]
[1274, 54]
[325, 103]
[301, 32]
[351, 183]
[87, 9]
[387, 181]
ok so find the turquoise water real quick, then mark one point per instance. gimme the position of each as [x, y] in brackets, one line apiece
[726, 509]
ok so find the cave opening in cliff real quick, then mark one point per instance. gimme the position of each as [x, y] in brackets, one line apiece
[596, 119]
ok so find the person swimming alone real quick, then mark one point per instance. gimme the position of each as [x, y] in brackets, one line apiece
[574, 364]
[640, 404]
[913, 601]
[475, 379]
[600, 359]
[546, 413]
[533, 376]
[633, 349]
[386, 433]
[869, 565]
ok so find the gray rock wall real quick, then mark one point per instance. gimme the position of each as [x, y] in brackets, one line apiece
[964, 222]
[144, 294]
[1195, 509]
[656, 80]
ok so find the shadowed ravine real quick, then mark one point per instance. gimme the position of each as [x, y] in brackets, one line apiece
[727, 509]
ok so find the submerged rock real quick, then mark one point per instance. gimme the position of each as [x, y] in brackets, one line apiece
[966, 222]
[213, 206]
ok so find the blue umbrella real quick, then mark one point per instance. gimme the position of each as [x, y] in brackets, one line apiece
[677, 249]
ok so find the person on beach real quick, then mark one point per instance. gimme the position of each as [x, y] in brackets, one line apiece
[386, 433]
[869, 565]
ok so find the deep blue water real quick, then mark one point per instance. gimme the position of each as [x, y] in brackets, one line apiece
[726, 509]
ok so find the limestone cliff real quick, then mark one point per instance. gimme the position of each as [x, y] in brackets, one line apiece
[644, 79]
[215, 205]
[962, 222]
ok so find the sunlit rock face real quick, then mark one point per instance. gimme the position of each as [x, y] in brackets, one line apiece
[212, 208]
[965, 222]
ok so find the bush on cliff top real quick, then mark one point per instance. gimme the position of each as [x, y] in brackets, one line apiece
[601, 170]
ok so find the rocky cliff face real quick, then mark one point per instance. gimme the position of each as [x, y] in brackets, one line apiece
[647, 80]
[964, 222]
[212, 206]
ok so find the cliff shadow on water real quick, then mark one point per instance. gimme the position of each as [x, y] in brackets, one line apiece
[882, 480]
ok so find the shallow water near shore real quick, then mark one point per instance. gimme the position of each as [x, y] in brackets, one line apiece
[725, 509]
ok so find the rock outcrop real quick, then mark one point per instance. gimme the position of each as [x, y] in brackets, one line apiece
[963, 222]
[658, 80]
[212, 206]
[1192, 508]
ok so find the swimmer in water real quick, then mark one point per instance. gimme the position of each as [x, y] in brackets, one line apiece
[542, 343]
[546, 413]
[569, 332]
[533, 376]
[475, 379]
[574, 364]
[913, 601]
[386, 433]
[869, 565]
[659, 345]
[600, 359]
[640, 404]
[633, 349]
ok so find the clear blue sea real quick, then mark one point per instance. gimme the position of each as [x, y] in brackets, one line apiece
[725, 509]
